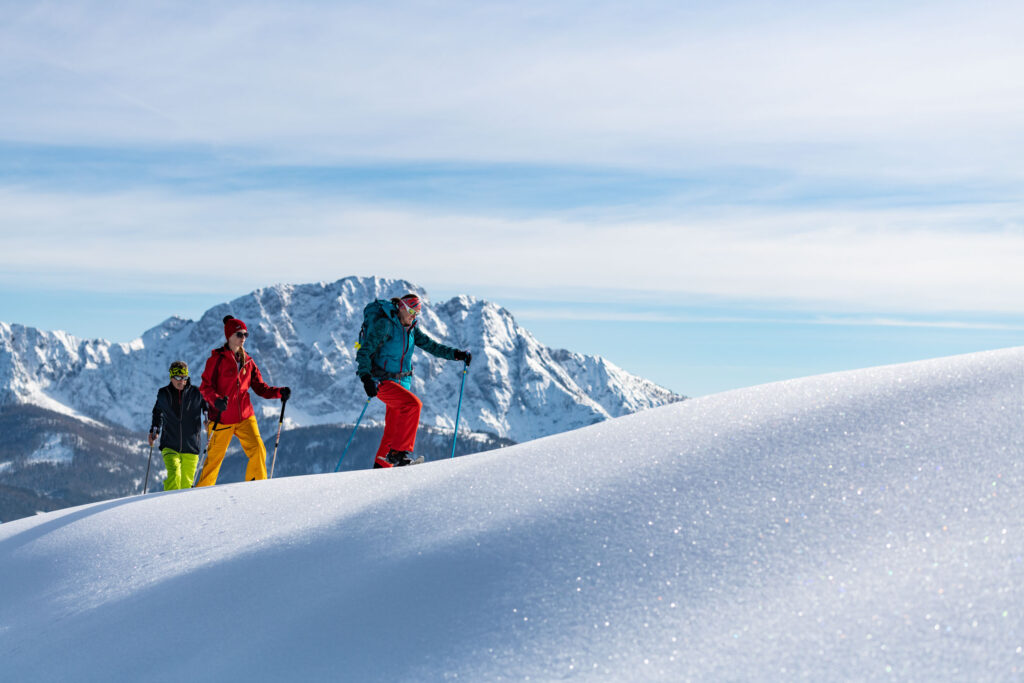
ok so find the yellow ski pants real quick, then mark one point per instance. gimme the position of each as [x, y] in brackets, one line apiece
[248, 433]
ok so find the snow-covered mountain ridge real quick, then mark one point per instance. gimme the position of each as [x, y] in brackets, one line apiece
[302, 336]
[862, 526]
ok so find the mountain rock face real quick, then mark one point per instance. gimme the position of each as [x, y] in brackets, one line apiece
[74, 412]
[303, 336]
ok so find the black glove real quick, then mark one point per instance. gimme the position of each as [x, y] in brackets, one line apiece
[464, 356]
[369, 385]
[221, 404]
[286, 393]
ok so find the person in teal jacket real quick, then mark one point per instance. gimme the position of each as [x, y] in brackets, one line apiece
[384, 365]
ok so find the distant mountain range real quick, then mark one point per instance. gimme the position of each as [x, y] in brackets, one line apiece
[303, 336]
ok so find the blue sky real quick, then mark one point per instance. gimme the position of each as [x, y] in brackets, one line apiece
[711, 197]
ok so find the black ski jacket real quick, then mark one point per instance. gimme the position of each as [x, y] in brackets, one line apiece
[178, 416]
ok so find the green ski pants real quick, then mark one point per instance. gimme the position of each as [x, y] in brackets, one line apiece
[181, 469]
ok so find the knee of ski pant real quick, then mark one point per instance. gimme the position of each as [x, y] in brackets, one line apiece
[216, 449]
[410, 403]
[248, 433]
[189, 461]
[172, 460]
[413, 409]
[219, 439]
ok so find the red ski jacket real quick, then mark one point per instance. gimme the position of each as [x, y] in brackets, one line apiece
[222, 377]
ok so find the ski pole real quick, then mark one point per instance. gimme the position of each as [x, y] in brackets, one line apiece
[206, 453]
[353, 434]
[145, 485]
[459, 411]
[278, 440]
[199, 458]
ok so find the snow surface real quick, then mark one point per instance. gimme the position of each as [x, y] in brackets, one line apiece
[856, 526]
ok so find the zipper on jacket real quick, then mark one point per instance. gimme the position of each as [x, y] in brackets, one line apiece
[405, 345]
[181, 419]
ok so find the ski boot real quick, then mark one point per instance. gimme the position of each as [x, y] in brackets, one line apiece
[398, 458]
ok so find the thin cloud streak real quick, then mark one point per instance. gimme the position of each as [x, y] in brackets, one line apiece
[833, 110]
[815, 90]
[933, 260]
[577, 314]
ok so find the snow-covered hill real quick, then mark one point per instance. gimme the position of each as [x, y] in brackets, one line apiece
[857, 526]
[302, 336]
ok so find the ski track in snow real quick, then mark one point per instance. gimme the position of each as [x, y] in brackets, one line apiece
[857, 526]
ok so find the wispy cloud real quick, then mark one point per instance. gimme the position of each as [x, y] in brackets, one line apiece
[859, 157]
[923, 88]
[610, 312]
[883, 260]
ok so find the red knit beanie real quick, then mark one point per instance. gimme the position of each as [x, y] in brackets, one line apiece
[232, 325]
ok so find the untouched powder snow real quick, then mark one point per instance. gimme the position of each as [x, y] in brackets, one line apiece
[857, 526]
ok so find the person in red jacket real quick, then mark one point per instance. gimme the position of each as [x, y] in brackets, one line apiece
[229, 374]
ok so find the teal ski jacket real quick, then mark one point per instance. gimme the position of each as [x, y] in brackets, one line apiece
[386, 350]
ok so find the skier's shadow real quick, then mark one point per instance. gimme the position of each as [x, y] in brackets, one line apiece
[37, 532]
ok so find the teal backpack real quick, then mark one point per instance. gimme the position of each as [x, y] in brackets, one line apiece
[372, 312]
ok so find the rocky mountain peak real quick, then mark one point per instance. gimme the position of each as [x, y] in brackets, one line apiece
[303, 336]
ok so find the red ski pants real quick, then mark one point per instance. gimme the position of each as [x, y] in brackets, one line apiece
[401, 419]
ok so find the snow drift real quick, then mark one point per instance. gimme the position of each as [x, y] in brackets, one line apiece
[861, 525]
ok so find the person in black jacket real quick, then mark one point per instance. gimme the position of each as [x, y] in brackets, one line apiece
[177, 419]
